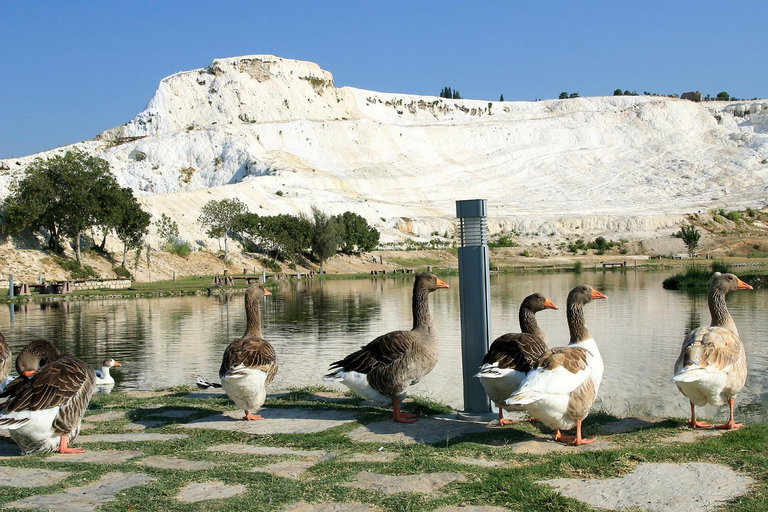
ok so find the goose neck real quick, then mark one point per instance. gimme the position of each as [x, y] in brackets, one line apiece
[576, 324]
[528, 323]
[252, 317]
[718, 310]
[420, 306]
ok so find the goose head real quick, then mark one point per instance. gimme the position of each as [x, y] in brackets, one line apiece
[429, 282]
[537, 302]
[34, 355]
[584, 294]
[109, 363]
[726, 283]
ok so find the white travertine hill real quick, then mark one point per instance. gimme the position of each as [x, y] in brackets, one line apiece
[279, 136]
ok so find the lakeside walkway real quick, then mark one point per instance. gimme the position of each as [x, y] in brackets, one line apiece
[322, 451]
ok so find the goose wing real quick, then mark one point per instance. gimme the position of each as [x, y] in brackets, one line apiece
[5, 358]
[515, 351]
[382, 351]
[559, 371]
[716, 348]
[249, 352]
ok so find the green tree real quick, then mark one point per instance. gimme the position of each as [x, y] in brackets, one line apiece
[356, 233]
[563, 96]
[130, 222]
[723, 96]
[690, 236]
[446, 92]
[456, 94]
[167, 229]
[618, 92]
[219, 218]
[65, 195]
[574, 95]
[501, 98]
[326, 235]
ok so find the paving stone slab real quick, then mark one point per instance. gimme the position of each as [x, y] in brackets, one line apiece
[23, 477]
[286, 469]
[176, 463]
[96, 457]
[128, 438]
[471, 508]
[144, 424]
[481, 462]
[207, 393]
[215, 490]
[425, 430]
[147, 394]
[88, 426]
[625, 425]
[661, 487]
[176, 413]
[374, 457]
[276, 421]
[426, 483]
[106, 416]
[691, 436]
[86, 498]
[329, 507]
[265, 450]
[541, 446]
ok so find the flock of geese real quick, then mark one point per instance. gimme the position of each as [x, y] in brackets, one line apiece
[43, 407]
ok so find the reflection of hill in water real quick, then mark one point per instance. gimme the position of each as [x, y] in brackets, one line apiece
[169, 341]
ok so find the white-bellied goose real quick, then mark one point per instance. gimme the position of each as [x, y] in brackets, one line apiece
[249, 363]
[46, 403]
[511, 355]
[562, 387]
[383, 369]
[103, 378]
[5, 363]
[712, 366]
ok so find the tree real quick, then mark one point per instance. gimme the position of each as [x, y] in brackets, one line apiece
[326, 236]
[501, 98]
[356, 233]
[574, 95]
[563, 96]
[167, 229]
[64, 195]
[131, 223]
[690, 236]
[446, 93]
[219, 218]
[618, 92]
[723, 96]
[456, 94]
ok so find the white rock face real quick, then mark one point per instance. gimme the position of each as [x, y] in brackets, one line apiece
[279, 136]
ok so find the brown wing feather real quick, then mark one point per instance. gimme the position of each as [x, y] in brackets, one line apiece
[67, 382]
[250, 352]
[5, 358]
[382, 351]
[710, 346]
[518, 351]
[573, 359]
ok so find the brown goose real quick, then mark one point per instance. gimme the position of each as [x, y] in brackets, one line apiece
[712, 366]
[511, 355]
[384, 368]
[35, 355]
[562, 387]
[249, 363]
[44, 408]
[5, 362]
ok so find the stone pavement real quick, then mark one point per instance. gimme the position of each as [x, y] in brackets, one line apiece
[692, 486]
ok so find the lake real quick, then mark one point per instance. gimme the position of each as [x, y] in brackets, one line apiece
[169, 341]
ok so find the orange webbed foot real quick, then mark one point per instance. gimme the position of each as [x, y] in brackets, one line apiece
[731, 425]
[698, 424]
[252, 417]
[503, 422]
[71, 450]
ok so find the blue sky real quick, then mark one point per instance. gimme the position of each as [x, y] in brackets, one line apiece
[73, 69]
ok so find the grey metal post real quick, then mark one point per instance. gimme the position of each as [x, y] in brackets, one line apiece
[10, 285]
[474, 296]
[263, 275]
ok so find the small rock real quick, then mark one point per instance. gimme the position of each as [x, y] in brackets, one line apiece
[96, 457]
[265, 450]
[106, 416]
[215, 490]
[427, 483]
[374, 457]
[144, 424]
[286, 469]
[690, 436]
[481, 462]
[23, 477]
[541, 446]
[426, 430]
[128, 438]
[276, 421]
[174, 463]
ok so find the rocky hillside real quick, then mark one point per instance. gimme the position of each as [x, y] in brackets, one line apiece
[278, 135]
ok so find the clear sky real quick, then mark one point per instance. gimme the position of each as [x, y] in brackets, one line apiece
[72, 69]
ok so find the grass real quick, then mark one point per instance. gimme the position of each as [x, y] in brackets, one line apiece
[513, 485]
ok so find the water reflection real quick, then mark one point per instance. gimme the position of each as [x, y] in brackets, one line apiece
[171, 340]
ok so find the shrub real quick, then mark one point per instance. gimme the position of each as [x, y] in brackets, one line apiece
[178, 247]
[733, 216]
[122, 272]
[77, 271]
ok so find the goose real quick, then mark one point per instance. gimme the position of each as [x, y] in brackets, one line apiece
[563, 385]
[712, 365]
[249, 363]
[383, 369]
[5, 363]
[511, 355]
[46, 403]
[35, 355]
[103, 378]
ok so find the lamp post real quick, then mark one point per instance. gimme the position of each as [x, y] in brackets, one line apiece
[474, 296]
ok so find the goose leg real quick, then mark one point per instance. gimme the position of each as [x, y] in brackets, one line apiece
[252, 417]
[63, 446]
[401, 417]
[698, 424]
[730, 424]
[576, 440]
[503, 421]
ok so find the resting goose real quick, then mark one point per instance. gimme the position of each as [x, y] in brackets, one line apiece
[712, 366]
[46, 403]
[563, 385]
[249, 363]
[5, 363]
[383, 369]
[103, 378]
[511, 355]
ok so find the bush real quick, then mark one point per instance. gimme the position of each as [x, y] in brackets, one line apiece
[122, 272]
[178, 247]
[77, 271]
[733, 216]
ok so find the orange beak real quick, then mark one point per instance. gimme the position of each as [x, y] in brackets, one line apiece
[441, 284]
[267, 292]
[28, 373]
[117, 364]
[549, 304]
[597, 295]
[743, 285]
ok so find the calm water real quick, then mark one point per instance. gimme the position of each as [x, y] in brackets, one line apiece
[169, 341]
